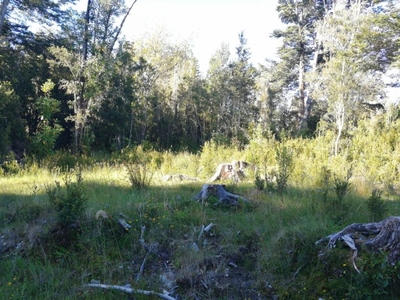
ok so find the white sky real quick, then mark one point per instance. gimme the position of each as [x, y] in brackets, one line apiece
[209, 23]
[206, 24]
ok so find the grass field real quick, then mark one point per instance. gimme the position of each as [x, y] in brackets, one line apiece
[264, 249]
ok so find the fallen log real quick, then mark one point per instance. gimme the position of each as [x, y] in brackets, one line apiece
[378, 236]
[218, 190]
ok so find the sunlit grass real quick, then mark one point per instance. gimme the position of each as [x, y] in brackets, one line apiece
[266, 242]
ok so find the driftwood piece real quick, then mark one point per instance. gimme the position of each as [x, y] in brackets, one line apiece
[218, 190]
[378, 236]
[234, 171]
[129, 290]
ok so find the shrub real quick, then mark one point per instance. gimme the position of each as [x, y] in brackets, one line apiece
[324, 183]
[141, 166]
[69, 205]
[10, 167]
[284, 159]
[341, 187]
[376, 206]
[259, 183]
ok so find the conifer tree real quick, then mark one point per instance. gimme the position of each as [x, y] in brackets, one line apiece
[296, 53]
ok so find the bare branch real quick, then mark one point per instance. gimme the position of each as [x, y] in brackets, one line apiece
[129, 290]
[120, 27]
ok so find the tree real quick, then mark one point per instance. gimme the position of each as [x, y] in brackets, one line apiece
[14, 15]
[217, 77]
[162, 89]
[241, 85]
[232, 92]
[12, 133]
[352, 74]
[267, 100]
[111, 120]
[90, 58]
[296, 52]
[192, 123]
[48, 129]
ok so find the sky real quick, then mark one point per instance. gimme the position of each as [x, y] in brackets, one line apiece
[206, 24]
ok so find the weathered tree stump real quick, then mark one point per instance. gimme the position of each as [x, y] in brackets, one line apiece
[233, 171]
[379, 236]
[218, 190]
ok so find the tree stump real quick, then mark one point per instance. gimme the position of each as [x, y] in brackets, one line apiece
[233, 171]
[379, 236]
[218, 190]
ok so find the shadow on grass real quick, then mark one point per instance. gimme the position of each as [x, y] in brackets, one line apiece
[263, 248]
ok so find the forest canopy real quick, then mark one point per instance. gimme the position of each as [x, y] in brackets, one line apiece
[79, 85]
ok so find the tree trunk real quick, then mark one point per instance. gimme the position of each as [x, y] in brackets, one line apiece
[120, 28]
[3, 10]
[80, 107]
[302, 112]
[302, 116]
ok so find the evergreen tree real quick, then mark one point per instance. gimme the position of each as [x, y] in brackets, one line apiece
[296, 53]
[232, 92]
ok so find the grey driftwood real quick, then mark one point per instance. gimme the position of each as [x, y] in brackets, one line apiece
[377, 236]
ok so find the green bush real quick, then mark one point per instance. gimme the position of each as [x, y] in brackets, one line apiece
[376, 206]
[141, 165]
[69, 204]
[10, 167]
[284, 159]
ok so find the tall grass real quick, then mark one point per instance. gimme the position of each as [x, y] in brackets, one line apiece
[264, 248]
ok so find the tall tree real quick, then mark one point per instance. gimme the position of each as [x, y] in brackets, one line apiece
[111, 119]
[217, 77]
[241, 84]
[12, 133]
[17, 12]
[361, 45]
[90, 57]
[161, 87]
[296, 51]
[232, 92]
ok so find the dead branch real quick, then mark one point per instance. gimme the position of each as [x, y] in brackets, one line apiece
[148, 249]
[124, 224]
[219, 191]
[120, 27]
[129, 290]
[205, 229]
[378, 236]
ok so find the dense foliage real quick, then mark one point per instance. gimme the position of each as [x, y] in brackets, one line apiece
[320, 128]
[75, 83]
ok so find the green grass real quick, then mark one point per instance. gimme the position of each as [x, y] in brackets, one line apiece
[255, 251]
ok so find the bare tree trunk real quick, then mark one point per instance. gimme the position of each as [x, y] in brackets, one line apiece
[302, 112]
[80, 107]
[302, 115]
[3, 10]
[120, 27]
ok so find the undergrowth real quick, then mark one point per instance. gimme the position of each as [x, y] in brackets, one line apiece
[264, 249]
